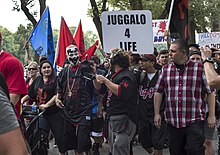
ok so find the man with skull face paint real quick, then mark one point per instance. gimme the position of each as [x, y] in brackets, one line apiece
[75, 98]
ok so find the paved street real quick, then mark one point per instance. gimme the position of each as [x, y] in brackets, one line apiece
[138, 150]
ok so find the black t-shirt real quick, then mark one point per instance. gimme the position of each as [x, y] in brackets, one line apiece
[126, 102]
[42, 92]
[146, 98]
[158, 66]
[78, 103]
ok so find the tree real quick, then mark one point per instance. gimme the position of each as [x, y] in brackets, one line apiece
[15, 42]
[99, 6]
[26, 5]
[8, 40]
[89, 38]
[20, 38]
[203, 15]
[97, 9]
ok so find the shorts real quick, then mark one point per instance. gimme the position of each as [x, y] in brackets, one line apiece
[97, 126]
[208, 132]
[150, 136]
[77, 137]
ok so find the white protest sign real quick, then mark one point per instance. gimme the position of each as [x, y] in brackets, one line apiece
[211, 39]
[129, 30]
[159, 28]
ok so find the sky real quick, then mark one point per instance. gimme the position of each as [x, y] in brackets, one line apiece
[71, 10]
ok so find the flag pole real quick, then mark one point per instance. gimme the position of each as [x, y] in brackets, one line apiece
[170, 14]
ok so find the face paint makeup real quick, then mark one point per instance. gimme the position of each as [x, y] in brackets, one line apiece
[72, 55]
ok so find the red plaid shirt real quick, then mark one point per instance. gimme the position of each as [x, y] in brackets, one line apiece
[185, 92]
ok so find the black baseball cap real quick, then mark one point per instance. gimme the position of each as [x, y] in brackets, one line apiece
[148, 57]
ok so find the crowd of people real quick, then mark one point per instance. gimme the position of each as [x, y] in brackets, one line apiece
[166, 99]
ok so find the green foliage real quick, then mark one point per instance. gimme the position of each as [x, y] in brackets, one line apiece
[72, 29]
[8, 40]
[15, 42]
[156, 7]
[89, 39]
[100, 8]
[204, 13]
[119, 4]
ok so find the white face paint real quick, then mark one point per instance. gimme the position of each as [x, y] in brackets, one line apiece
[72, 55]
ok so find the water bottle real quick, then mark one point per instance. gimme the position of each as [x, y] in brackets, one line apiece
[34, 107]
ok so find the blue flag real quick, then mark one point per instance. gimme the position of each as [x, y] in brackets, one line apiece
[41, 37]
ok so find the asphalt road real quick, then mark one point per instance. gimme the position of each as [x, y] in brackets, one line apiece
[138, 150]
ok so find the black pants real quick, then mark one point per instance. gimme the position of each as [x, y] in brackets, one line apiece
[188, 140]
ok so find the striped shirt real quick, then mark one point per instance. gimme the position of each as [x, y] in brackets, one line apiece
[185, 92]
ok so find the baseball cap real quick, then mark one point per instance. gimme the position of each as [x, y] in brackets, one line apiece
[194, 52]
[148, 57]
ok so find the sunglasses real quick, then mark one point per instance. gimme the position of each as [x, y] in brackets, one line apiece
[29, 69]
[46, 67]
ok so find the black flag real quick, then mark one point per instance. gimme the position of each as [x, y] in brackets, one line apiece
[179, 18]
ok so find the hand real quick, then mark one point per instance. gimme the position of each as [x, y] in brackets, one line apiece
[166, 33]
[43, 106]
[59, 103]
[100, 79]
[94, 70]
[157, 121]
[211, 121]
[206, 52]
[22, 101]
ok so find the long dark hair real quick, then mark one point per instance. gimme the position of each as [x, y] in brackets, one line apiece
[52, 77]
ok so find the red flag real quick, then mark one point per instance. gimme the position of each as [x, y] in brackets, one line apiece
[90, 51]
[179, 18]
[79, 38]
[64, 40]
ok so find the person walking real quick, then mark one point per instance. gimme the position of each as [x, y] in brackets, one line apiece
[185, 87]
[121, 103]
[43, 91]
[74, 97]
[152, 139]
